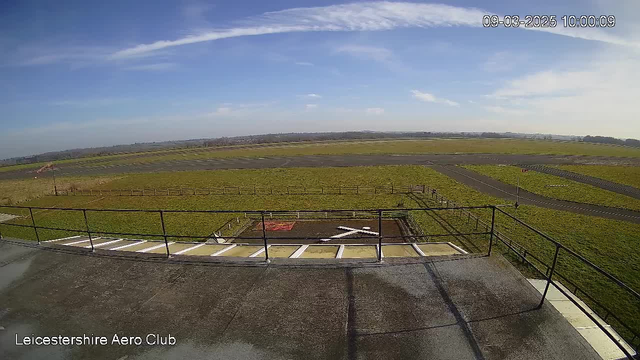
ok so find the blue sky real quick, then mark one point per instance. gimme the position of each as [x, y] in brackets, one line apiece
[82, 73]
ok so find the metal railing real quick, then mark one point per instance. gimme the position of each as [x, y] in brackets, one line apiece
[551, 271]
[251, 190]
[380, 214]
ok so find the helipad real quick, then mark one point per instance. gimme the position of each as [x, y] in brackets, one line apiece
[324, 250]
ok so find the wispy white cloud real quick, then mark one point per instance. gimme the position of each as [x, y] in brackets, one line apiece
[303, 63]
[599, 97]
[311, 106]
[85, 103]
[375, 111]
[46, 54]
[223, 110]
[427, 97]
[550, 82]
[365, 16]
[153, 67]
[310, 96]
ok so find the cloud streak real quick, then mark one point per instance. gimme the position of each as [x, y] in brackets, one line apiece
[370, 16]
[153, 67]
[426, 97]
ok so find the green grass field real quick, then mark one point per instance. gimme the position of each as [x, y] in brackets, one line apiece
[608, 243]
[17, 191]
[435, 146]
[627, 175]
[570, 190]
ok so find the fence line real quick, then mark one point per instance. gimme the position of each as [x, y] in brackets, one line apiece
[490, 229]
[252, 190]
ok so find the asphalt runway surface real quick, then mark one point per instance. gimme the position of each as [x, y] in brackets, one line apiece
[589, 180]
[322, 161]
[463, 308]
[499, 189]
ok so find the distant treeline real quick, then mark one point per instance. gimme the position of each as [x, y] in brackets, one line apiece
[611, 140]
[355, 135]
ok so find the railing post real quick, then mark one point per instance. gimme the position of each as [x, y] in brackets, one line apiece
[86, 223]
[379, 235]
[35, 229]
[553, 268]
[164, 233]
[264, 238]
[493, 224]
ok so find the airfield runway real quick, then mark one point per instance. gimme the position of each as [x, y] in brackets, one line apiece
[438, 161]
[499, 189]
[323, 161]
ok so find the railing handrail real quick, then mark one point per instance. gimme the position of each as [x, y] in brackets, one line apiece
[378, 212]
[246, 211]
[578, 256]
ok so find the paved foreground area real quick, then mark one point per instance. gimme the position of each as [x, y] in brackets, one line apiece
[467, 308]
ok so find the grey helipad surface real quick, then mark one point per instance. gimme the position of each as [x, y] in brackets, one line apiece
[467, 308]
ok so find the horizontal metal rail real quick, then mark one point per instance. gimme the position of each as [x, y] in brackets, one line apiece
[550, 271]
[578, 256]
[253, 190]
[525, 255]
[246, 211]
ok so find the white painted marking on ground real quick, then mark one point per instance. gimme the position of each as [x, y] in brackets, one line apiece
[81, 241]
[223, 250]
[340, 251]
[104, 243]
[457, 248]
[154, 247]
[340, 235]
[67, 238]
[259, 252]
[350, 231]
[132, 244]
[358, 230]
[189, 249]
[418, 250]
[299, 252]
